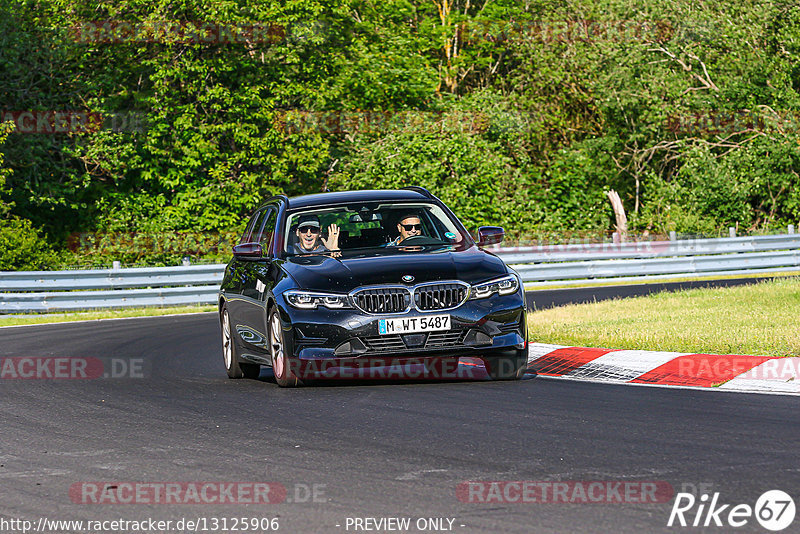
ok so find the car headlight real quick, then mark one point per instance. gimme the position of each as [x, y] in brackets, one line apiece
[309, 300]
[505, 285]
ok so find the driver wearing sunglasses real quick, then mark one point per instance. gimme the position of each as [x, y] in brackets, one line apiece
[309, 240]
[410, 225]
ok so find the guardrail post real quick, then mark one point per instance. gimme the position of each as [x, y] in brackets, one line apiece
[116, 265]
[790, 229]
[673, 235]
[732, 231]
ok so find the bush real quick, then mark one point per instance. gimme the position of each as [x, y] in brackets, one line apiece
[22, 248]
[750, 188]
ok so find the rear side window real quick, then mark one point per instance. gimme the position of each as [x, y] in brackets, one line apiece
[266, 229]
[255, 222]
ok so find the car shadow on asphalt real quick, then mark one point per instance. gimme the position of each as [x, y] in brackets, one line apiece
[388, 376]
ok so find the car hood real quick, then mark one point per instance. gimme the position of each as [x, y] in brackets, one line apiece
[342, 275]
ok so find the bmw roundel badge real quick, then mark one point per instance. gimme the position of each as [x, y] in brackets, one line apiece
[408, 278]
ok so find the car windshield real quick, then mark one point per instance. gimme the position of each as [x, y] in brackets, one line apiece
[373, 229]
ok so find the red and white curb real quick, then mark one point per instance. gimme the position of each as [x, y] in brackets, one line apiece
[757, 374]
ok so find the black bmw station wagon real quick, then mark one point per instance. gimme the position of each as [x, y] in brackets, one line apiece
[332, 279]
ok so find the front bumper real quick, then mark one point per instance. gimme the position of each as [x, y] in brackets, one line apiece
[495, 325]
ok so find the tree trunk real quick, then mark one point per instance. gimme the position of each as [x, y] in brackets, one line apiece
[619, 214]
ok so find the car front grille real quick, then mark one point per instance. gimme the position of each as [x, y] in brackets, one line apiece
[383, 300]
[395, 342]
[441, 296]
[431, 296]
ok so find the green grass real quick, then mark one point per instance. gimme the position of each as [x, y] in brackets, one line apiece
[104, 314]
[758, 319]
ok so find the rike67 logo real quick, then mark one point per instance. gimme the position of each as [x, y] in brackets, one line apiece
[774, 510]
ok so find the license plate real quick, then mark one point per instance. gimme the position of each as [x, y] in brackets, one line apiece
[406, 325]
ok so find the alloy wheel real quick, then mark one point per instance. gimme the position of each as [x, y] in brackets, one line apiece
[276, 345]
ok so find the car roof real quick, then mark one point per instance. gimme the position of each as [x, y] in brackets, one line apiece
[343, 197]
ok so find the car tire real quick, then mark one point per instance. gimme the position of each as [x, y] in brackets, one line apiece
[506, 367]
[230, 354]
[279, 348]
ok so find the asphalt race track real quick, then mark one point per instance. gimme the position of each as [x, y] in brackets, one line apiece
[386, 449]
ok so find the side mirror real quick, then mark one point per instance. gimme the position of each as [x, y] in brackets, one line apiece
[248, 251]
[490, 235]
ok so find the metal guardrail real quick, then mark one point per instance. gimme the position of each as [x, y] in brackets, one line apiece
[589, 263]
[110, 278]
[48, 291]
[744, 263]
[646, 249]
[124, 298]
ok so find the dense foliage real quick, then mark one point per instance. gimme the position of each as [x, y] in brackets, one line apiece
[518, 113]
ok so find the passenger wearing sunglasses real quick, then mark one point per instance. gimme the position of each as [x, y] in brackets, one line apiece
[410, 225]
[309, 240]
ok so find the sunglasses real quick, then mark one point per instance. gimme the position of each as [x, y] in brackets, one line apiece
[311, 229]
[409, 227]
